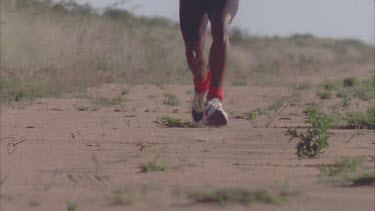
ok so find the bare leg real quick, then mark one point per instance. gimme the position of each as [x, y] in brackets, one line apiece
[219, 48]
[196, 58]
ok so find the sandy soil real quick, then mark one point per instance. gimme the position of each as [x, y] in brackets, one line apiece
[60, 151]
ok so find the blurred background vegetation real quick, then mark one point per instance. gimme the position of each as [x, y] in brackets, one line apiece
[49, 49]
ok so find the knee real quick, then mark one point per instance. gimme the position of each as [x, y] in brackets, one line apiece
[195, 53]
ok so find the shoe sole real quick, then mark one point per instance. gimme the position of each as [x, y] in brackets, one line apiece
[217, 119]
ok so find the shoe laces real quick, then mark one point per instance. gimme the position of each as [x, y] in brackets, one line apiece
[214, 102]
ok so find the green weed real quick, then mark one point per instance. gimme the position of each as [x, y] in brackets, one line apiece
[122, 196]
[342, 93]
[71, 206]
[153, 166]
[312, 142]
[253, 114]
[103, 101]
[365, 91]
[304, 85]
[170, 99]
[291, 100]
[341, 167]
[324, 95]
[352, 87]
[276, 105]
[329, 85]
[353, 120]
[346, 172]
[233, 196]
[171, 122]
[17, 91]
[350, 82]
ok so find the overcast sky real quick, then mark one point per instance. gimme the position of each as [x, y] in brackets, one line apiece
[328, 18]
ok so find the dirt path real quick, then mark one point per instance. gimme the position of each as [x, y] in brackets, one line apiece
[61, 152]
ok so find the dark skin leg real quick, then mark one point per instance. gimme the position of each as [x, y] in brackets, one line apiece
[196, 58]
[219, 48]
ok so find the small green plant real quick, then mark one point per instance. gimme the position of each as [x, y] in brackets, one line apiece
[304, 85]
[353, 120]
[276, 105]
[170, 99]
[292, 99]
[371, 111]
[350, 82]
[171, 122]
[18, 91]
[156, 165]
[252, 115]
[233, 196]
[324, 95]
[103, 102]
[342, 93]
[312, 142]
[71, 206]
[365, 91]
[328, 85]
[122, 197]
[341, 167]
[346, 172]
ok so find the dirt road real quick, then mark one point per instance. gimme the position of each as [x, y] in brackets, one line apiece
[72, 154]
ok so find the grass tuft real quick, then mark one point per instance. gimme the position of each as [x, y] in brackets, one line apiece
[304, 85]
[350, 82]
[17, 91]
[103, 102]
[354, 120]
[153, 166]
[329, 85]
[170, 99]
[171, 122]
[324, 95]
[346, 172]
[71, 206]
[233, 196]
[122, 197]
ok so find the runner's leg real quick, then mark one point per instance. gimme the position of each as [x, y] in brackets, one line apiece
[193, 22]
[221, 16]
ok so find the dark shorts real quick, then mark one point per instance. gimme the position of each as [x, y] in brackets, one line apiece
[195, 14]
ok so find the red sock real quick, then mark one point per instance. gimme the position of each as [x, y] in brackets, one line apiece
[203, 85]
[215, 92]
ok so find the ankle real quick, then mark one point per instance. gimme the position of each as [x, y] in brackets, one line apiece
[201, 86]
[215, 92]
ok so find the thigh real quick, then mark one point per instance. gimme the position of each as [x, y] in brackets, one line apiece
[221, 8]
[193, 19]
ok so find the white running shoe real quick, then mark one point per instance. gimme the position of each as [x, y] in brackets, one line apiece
[214, 114]
[197, 108]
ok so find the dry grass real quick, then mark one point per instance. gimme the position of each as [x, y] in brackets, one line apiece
[48, 46]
